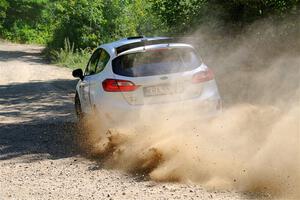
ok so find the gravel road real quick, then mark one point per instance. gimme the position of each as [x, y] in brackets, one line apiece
[38, 155]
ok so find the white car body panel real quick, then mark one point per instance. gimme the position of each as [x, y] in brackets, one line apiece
[129, 107]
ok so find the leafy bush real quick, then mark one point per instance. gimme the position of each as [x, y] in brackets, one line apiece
[70, 57]
[25, 20]
[80, 21]
[182, 15]
[3, 8]
[90, 23]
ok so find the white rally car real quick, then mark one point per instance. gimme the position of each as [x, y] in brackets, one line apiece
[138, 77]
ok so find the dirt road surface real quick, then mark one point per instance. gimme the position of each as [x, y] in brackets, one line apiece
[38, 155]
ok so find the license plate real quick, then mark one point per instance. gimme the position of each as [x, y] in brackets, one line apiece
[162, 90]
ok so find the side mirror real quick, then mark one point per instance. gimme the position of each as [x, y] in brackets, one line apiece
[78, 73]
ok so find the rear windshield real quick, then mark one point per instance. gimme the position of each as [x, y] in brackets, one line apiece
[156, 62]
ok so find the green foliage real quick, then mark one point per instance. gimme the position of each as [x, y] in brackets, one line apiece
[84, 22]
[70, 57]
[25, 21]
[88, 23]
[3, 7]
[180, 15]
[184, 15]
[80, 21]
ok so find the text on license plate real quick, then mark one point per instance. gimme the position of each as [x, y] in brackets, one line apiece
[162, 90]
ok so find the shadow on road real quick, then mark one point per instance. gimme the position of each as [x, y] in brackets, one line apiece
[53, 140]
[37, 118]
[32, 55]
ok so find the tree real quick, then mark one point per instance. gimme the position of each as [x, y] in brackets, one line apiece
[184, 15]
[89, 23]
[80, 21]
[24, 20]
[3, 9]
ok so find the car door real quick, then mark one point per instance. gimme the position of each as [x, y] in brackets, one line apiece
[84, 85]
[98, 77]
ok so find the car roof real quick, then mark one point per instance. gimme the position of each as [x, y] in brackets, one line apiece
[111, 47]
[130, 40]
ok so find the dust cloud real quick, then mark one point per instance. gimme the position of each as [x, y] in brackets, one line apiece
[252, 146]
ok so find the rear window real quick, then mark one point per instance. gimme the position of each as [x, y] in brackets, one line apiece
[156, 62]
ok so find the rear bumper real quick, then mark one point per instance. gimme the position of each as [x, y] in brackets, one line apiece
[113, 115]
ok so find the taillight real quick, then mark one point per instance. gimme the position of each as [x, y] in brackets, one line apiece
[115, 85]
[203, 76]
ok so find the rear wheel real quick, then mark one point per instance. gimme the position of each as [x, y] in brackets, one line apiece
[78, 109]
[81, 130]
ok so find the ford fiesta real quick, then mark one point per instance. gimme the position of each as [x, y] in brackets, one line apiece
[128, 79]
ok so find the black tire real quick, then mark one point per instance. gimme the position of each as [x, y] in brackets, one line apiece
[78, 109]
[81, 129]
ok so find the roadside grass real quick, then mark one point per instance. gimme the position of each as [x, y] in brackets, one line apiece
[70, 57]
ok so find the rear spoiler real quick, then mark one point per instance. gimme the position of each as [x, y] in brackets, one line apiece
[144, 42]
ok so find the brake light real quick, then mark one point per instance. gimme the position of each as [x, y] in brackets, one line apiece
[115, 85]
[203, 76]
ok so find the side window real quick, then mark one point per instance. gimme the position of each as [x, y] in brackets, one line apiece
[92, 64]
[104, 58]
